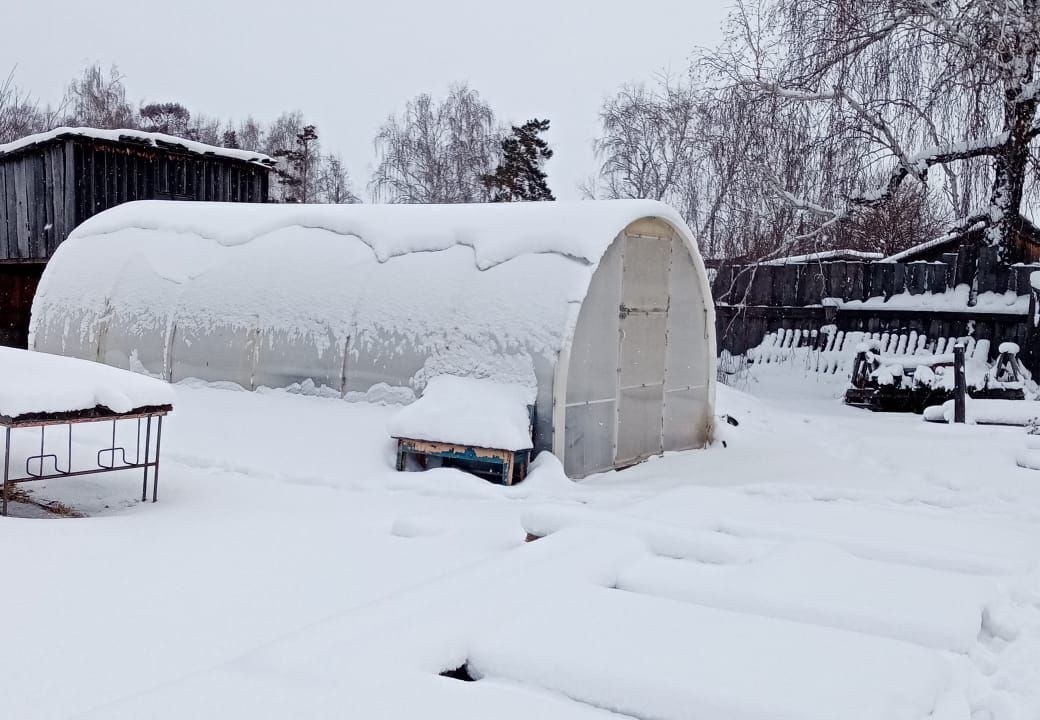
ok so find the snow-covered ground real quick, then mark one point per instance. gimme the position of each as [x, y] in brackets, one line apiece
[827, 563]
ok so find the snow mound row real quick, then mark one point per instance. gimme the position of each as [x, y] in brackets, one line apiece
[657, 658]
[936, 609]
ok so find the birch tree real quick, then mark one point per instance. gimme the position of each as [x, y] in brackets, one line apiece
[928, 92]
[334, 184]
[437, 151]
[19, 112]
[98, 100]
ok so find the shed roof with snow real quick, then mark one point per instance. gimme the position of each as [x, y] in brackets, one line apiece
[53, 181]
[602, 308]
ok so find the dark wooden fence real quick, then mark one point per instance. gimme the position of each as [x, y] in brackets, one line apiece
[806, 284]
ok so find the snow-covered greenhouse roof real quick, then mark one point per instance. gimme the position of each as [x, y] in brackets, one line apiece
[495, 232]
[136, 137]
[456, 276]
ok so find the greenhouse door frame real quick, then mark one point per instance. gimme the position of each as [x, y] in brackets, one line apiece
[642, 348]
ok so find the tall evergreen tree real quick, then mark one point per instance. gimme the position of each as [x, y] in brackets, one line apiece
[519, 175]
[299, 177]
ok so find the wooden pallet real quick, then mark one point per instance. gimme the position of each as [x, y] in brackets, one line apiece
[500, 466]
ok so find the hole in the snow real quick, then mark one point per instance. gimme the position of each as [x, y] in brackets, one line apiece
[459, 673]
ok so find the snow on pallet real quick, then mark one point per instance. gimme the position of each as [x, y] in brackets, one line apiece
[481, 425]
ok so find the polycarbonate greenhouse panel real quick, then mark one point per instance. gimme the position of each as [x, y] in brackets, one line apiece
[594, 350]
[645, 285]
[685, 415]
[285, 357]
[642, 349]
[590, 438]
[222, 353]
[639, 424]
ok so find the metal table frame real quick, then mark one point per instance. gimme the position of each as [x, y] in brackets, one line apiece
[105, 460]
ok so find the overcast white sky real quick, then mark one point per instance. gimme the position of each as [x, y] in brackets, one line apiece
[347, 65]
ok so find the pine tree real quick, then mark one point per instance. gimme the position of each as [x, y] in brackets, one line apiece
[298, 175]
[519, 175]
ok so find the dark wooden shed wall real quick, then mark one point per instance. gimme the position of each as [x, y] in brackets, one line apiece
[49, 189]
[18, 283]
[34, 216]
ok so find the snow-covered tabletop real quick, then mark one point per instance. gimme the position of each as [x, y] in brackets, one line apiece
[466, 411]
[34, 383]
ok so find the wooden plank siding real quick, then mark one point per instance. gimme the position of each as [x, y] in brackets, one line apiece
[21, 200]
[4, 252]
[11, 244]
[49, 189]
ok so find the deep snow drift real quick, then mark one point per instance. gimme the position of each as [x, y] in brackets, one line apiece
[828, 563]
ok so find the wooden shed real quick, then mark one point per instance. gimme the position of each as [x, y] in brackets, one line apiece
[53, 181]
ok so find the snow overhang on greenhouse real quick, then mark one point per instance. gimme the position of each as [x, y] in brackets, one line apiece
[602, 308]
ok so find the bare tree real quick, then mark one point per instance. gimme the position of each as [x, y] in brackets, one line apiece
[910, 216]
[250, 135]
[648, 143]
[680, 142]
[19, 112]
[437, 152]
[279, 141]
[98, 100]
[281, 134]
[204, 129]
[334, 184]
[897, 89]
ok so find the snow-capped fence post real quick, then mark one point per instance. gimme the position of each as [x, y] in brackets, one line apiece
[958, 383]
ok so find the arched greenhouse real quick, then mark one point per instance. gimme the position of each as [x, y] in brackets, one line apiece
[603, 307]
